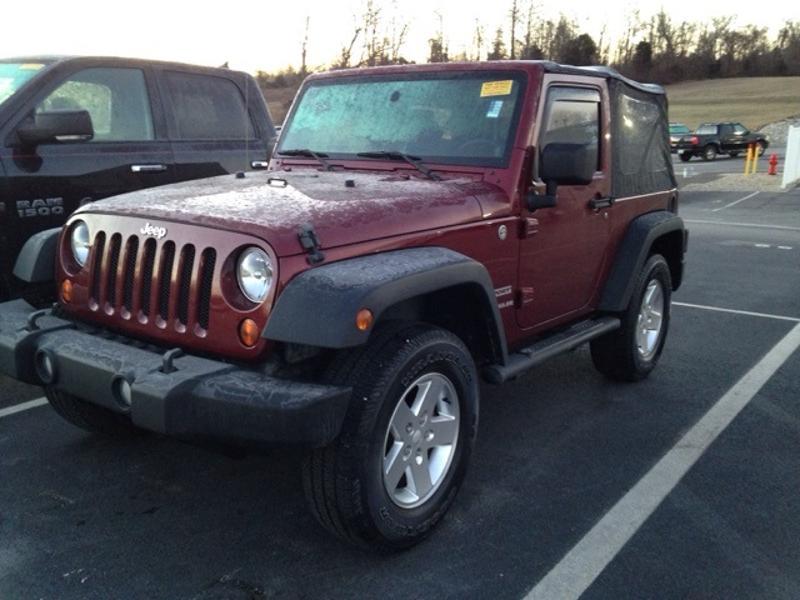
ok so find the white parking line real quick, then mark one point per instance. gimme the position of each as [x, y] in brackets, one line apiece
[737, 312]
[591, 555]
[18, 408]
[751, 225]
[735, 202]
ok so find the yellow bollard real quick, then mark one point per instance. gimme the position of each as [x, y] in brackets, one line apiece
[747, 159]
[755, 160]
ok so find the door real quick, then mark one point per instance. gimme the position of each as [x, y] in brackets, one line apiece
[564, 247]
[211, 125]
[729, 142]
[44, 185]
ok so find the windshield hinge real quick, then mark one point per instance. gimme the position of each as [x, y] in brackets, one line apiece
[310, 243]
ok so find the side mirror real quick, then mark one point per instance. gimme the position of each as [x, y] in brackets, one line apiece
[563, 164]
[57, 126]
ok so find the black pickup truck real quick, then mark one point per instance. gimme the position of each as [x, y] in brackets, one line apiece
[711, 139]
[78, 129]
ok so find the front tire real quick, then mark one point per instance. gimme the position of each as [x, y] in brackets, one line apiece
[631, 352]
[90, 417]
[402, 455]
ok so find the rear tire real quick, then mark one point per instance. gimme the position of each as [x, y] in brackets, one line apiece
[395, 421]
[631, 352]
[90, 417]
[685, 157]
[709, 153]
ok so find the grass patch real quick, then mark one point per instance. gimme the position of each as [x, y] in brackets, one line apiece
[752, 101]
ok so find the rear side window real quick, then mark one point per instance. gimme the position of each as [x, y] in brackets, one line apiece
[707, 130]
[208, 108]
[572, 116]
[116, 99]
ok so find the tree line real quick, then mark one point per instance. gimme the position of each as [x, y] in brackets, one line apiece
[656, 49]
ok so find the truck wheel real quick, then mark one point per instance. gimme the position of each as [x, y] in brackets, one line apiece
[685, 157]
[632, 351]
[760, 148]
[709, 152]
[89, 416]
[403, 450]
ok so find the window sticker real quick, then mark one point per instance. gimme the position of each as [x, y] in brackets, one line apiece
[495, 106]
[496, 88]
[31, 67]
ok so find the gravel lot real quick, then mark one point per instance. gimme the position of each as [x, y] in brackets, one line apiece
[558, 449]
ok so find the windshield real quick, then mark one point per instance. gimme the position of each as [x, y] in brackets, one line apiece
[14, 75]
[466, 118]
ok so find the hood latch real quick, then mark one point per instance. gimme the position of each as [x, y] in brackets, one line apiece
[310, 243]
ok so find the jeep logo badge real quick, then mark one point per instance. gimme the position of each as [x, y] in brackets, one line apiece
[156, 232]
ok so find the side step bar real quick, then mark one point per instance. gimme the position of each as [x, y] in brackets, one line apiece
[548, 347]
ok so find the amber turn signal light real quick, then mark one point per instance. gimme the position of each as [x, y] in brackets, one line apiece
[66, 291]
[364, 319]
[248, 332]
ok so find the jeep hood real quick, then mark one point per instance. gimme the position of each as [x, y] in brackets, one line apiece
[343, 207]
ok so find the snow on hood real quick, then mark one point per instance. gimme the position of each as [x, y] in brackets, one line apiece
[377, 205]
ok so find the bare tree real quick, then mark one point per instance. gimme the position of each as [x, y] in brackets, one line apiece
[303, 64]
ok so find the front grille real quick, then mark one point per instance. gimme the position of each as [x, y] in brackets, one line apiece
[162, 284]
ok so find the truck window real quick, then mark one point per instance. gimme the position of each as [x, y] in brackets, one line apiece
[725, 130]
[572, 116]
[739, 129]
[116, 99]
[706, 129]
[207, 107]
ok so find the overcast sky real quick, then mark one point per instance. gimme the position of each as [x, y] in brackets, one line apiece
[267, 35]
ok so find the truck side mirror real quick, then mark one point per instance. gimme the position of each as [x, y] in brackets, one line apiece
[57, 126]
[563, 164]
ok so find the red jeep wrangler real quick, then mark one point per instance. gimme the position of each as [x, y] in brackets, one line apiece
[421, 225]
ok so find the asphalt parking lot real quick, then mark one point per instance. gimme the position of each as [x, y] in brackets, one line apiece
[577, 484]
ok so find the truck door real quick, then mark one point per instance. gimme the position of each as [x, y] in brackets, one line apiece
[211, 125]
[43, 185]
[728, 141]
[562, 253]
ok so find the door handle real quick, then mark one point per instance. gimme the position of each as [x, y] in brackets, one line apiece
[259, 164]
[154, 168]
[598, 203]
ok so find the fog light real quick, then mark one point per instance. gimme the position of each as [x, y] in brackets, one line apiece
[248, 332]
[364, 319]
[66, 291]
[121, 390]
[45, 365]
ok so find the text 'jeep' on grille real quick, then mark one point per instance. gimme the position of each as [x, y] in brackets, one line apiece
[420, 227]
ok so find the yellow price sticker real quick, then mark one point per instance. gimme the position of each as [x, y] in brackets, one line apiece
[496, 88]
[30, 67]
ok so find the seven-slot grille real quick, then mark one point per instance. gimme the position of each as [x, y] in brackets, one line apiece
[152, 282]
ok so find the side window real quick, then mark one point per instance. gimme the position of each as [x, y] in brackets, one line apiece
[116, 99]
[706, 129]
[725, 130]
[208, 107]
[739, 129]
[572, 116]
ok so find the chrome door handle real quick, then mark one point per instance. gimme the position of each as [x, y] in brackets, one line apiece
[259, 164]
[148, 168]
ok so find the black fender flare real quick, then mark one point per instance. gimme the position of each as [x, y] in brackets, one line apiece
[318, 307]
[632, 253]
[36, 262]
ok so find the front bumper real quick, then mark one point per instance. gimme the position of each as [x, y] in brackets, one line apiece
[188, 397]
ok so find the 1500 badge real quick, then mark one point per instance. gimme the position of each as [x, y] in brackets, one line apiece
[41, 207]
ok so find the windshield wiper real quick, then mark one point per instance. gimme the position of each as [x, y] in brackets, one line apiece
[414, 161]
[320, 156]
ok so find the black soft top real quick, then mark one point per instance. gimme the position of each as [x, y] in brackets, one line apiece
[605, 72]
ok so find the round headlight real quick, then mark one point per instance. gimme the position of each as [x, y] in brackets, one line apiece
[254, 273]
[79, 240]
